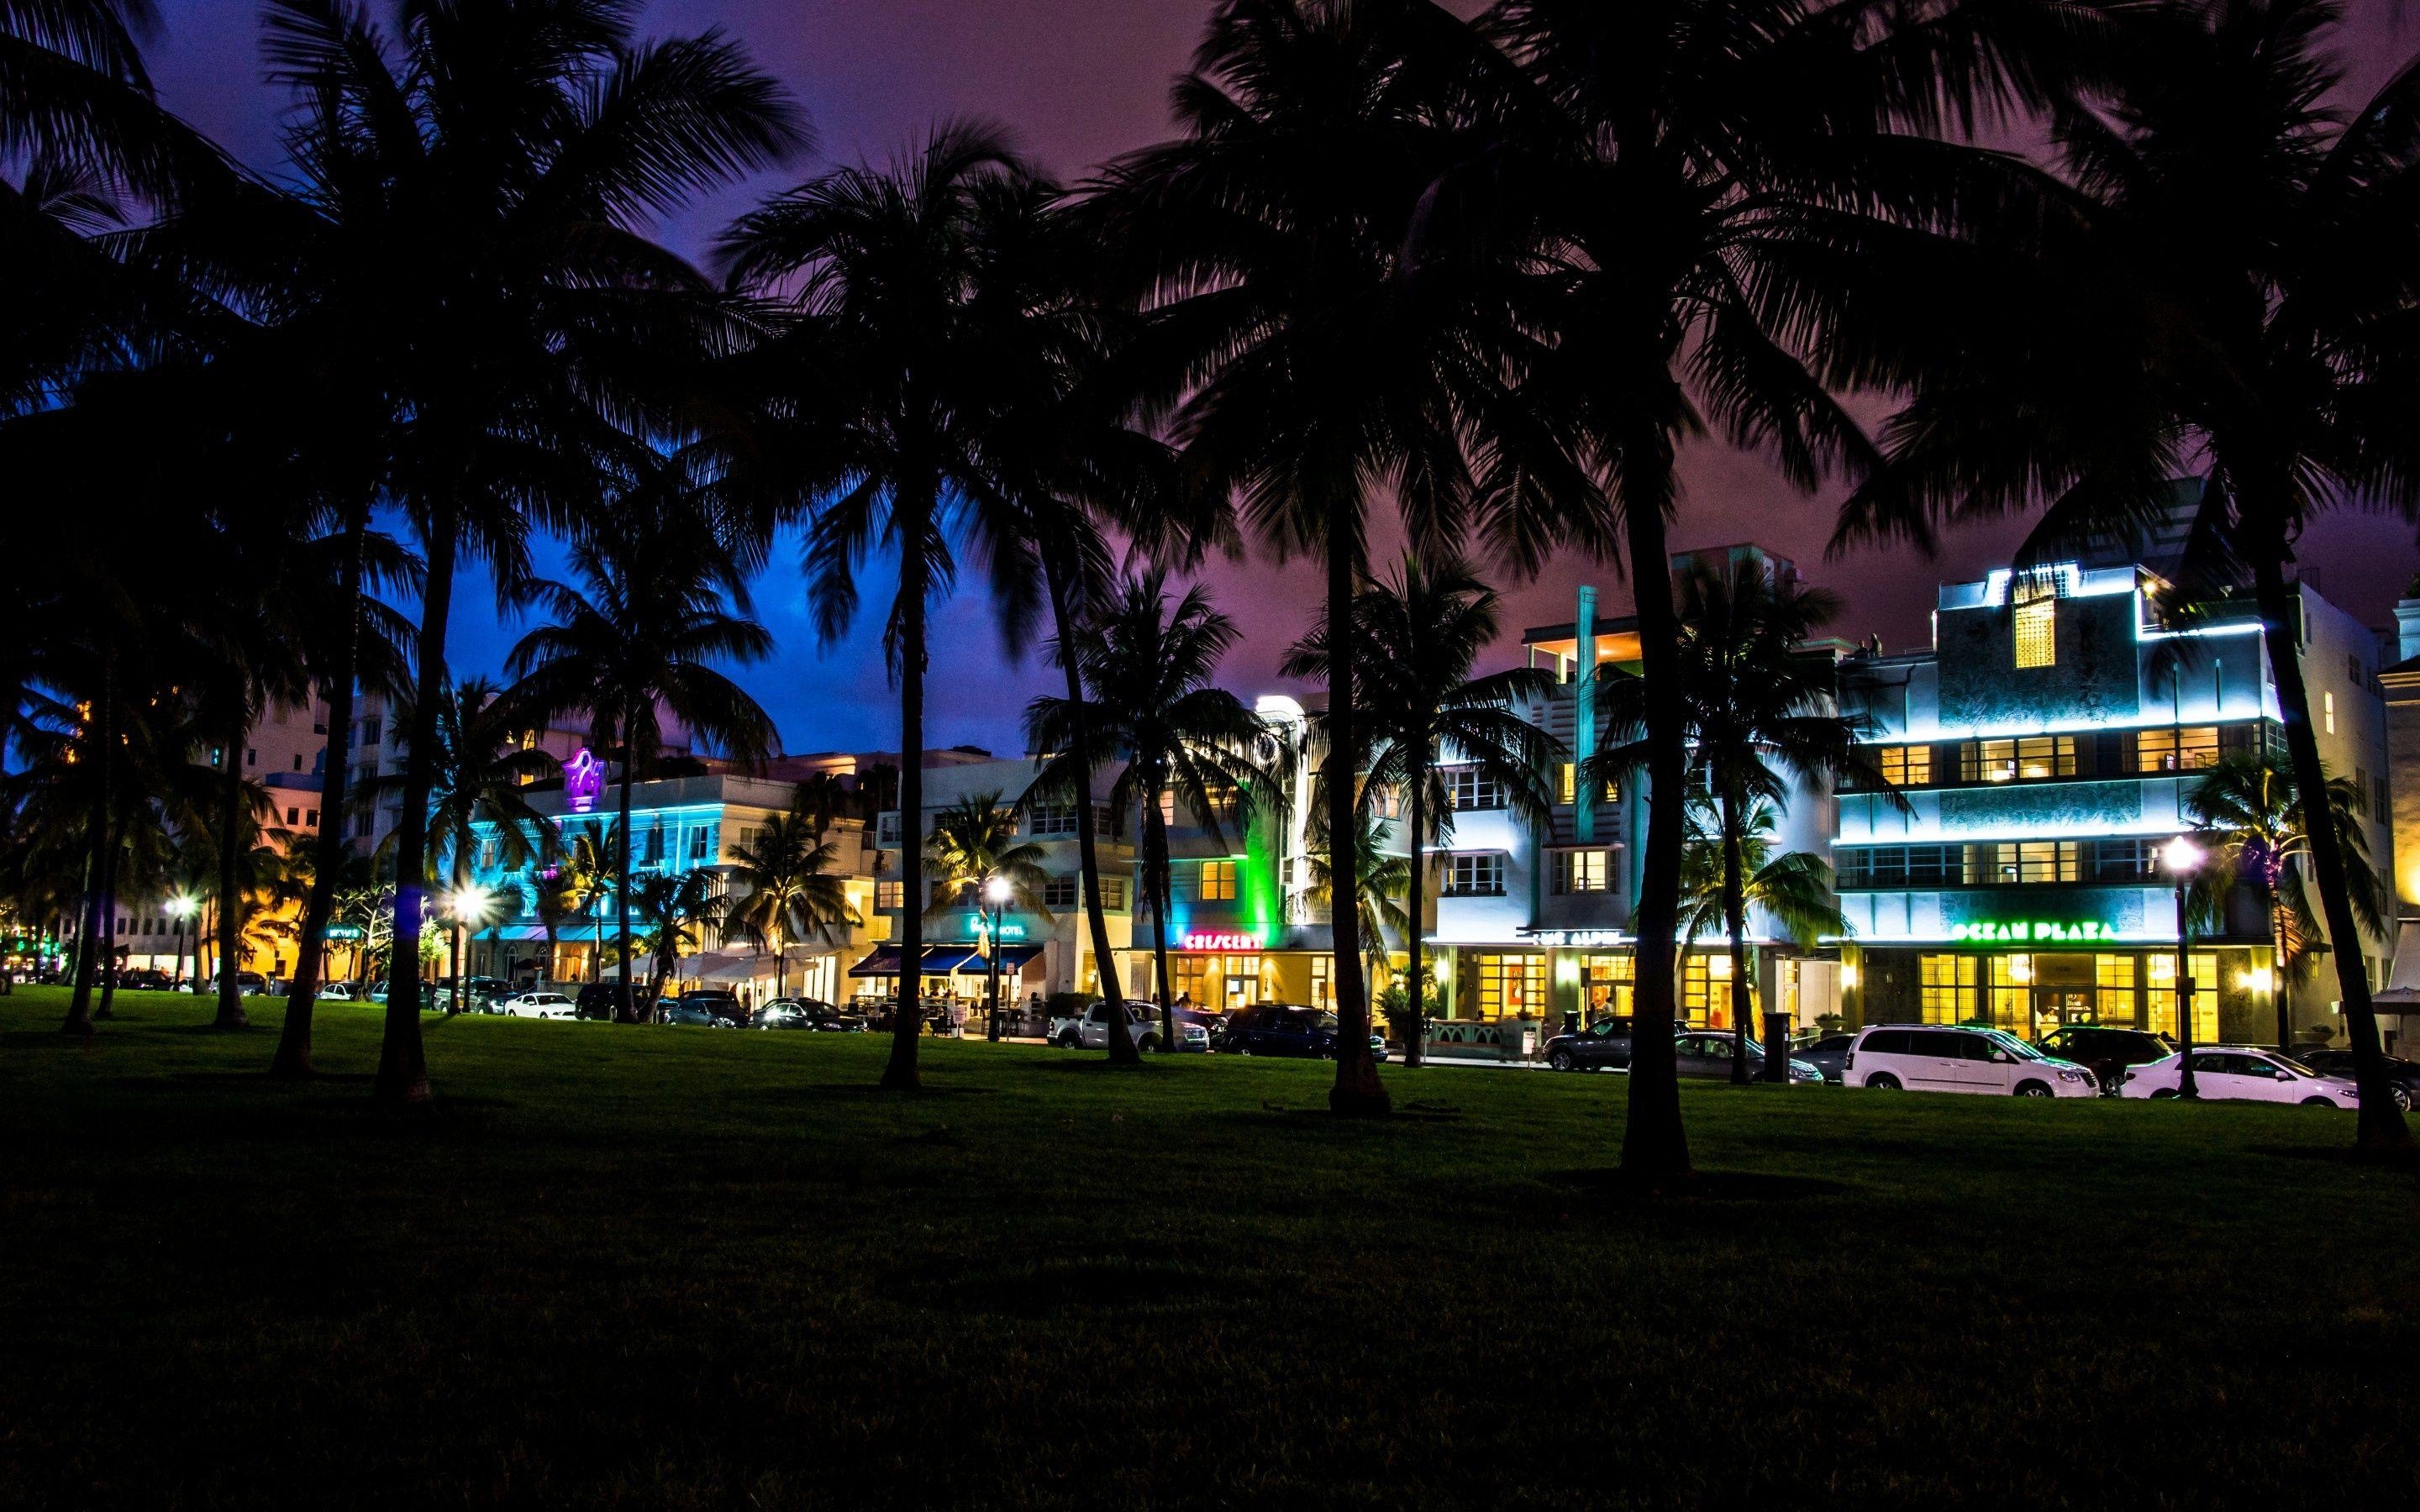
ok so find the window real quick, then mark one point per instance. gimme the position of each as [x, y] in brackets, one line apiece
[373, 731]
[486, 855]
[311, 817]
[1610, 980]
[2328, 704]
[252, 758]
[2036, 624]
[1217, 880]
[1570, 790]
[294, 817]
[2185, 749]
[2038, 861]
[1580, 871]
[890, 895]
[1059, 892]
[363, 824]
[1476, 876]
[2029, 758]
[1511, 986]
[697, 843]
[655, 849]
[1947, 987]
[1113, 894]
[298, 760]
[2160, 995]
[1471, 789]
[1052, 819]
[1904, 766]
[2121, 860]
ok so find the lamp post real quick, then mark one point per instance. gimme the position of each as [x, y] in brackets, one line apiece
[180, 908]
[997, 894]
[2183, 858]
[468, 904]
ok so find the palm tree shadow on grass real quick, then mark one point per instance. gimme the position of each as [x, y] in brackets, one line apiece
[1608, 1183]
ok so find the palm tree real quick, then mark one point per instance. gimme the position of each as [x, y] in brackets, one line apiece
[2246, 804]
[1702, 194]
[1381, 879]
[1173, 734]
[2227, 278]
[1793, 888]
[1418, 635]
[909, 343]
[678, 904]
[791, 893]
[484, 177]
[74, 91]
[1758, 710]
[1289, 353]
[974, 843]
[638, 640]
[587, 874]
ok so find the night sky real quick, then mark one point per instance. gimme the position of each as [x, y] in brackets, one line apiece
[1080, 80]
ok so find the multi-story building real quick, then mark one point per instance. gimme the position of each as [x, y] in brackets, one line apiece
[2398, 1006]
[2044, 749]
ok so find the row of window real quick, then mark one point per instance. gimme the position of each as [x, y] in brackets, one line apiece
[1481, 874]
[2047, 758]
[2001, 863]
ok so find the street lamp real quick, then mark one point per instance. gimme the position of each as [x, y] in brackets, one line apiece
[997, 893]
[2182, 858]
[468, 906]
[180, 908]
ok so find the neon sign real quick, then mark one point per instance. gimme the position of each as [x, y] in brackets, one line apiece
[1580, 938]
[583, 779]
[1214, 940]
[2035, 931]
[981, 928]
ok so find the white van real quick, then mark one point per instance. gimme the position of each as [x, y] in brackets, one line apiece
[1943, 1057]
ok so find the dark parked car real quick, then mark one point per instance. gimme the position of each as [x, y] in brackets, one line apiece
[1829, 1054]
[809, 1014]
[723, 1008]
[143, 978]
[2404, 1074]
[1279, 1029]
[683, 1010]
[2105, 1050]
[1706, 1054]
[603, 1000]
[1604, 1045]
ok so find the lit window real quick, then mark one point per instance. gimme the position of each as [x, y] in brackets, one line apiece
[2182, 749]
[2329, 703]
[1510, 986]
[1470, 789]
[2037, 625]
[890, 895]
[1570, 792]
[1059, 892]
[1948, 985]
[1477, 876]
[1904, 766]
[1217, 880]
[1580, 871]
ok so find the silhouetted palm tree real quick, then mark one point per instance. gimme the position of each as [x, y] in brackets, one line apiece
[637, 641]
[1759, 712]
[973, 844]
[2247, 806]
[1381, 879]
[1178, 740]
[1795, 889]
[2229, 277]
[791, 892]
[1418, 635]
[909, 343]
[679, 907]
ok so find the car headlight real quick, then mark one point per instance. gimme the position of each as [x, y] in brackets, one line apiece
[2075, 1077]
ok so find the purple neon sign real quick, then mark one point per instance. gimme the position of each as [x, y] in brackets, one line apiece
[583, 779]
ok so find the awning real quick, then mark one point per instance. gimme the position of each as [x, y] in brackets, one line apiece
[1014, 957]
[937, 960]
[884, 962]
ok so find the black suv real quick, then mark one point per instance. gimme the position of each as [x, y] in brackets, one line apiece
[721, 1007]
[1602, 1045]
[2401, 1074]
[1278, 1029]
[603, 1000]
[2105, 1050]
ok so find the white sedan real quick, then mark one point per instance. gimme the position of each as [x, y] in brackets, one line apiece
[2243, 1074]
[538, 1005]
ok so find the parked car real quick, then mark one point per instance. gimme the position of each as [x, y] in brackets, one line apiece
[1705, 1055]
[808, 1014]
[2243, 1074]
[1604, 1045]
[1964, 1057]
[1829, 1054]
[143, 978]
[250, 984]
[2401, 1074]
[1284, 1029]
[722, 1008]
[538, 1004]
[1089, 1029]
[2104, 1050]
[334, 992]
[681, 1011]
[600, 1000]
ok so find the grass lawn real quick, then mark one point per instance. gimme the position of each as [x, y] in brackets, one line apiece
[676, 1267]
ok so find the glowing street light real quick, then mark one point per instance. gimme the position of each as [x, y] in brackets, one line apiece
[997, 894]
[181, 907]
[470, 904]
[2182, 858]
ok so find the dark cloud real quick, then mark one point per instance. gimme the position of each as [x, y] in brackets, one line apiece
[1080, 80]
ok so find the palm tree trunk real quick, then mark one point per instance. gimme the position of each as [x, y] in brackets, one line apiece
[460, 879]
[403, 1059]
[79, 1019]
[1735, 921]
[1415, 1020]
[626, 1011]
[2277, 969]
[1655, 1146]
[1357, 1092]
[230, 1013]
[1162, 885]
[1088, 853]
[899, 1074]
[293, 1058]
[109, 862]
[2380, 1124]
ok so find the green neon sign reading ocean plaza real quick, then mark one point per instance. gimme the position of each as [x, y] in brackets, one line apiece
[2031, 932]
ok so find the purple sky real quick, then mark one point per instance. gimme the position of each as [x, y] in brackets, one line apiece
[1080, 80]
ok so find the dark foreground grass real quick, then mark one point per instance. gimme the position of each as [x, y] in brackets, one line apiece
[628, 1267]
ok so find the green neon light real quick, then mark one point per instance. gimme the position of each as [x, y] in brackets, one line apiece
[1261, 899]
[2038, 931]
